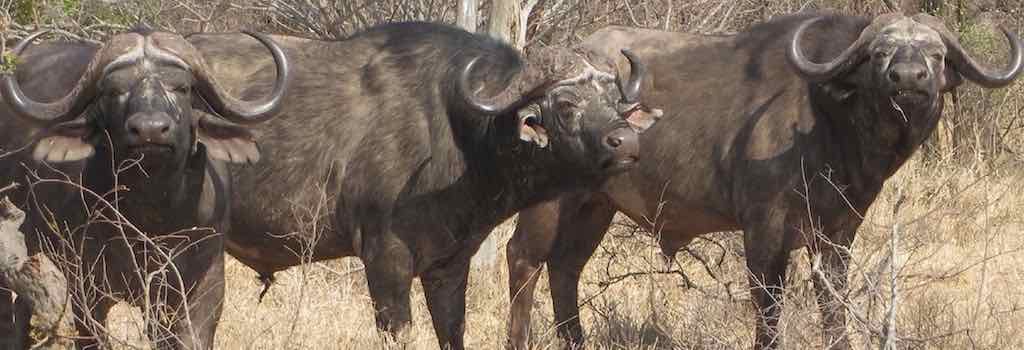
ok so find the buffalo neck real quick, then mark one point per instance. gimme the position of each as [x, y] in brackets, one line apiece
[147, 197]
[506, 175]
[875, 136]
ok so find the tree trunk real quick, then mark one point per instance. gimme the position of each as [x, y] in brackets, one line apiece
[503, 18]
[502, 25]
[35, 278]
[467, 15]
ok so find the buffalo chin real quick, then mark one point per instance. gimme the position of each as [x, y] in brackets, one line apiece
[152, 156]
[912, 98]
[617, 165]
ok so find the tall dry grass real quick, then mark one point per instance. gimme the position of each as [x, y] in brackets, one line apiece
[960, 268]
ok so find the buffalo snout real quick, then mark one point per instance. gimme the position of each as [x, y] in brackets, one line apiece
[150, 128]
[909, 74]
[624, 146]
[910, 82]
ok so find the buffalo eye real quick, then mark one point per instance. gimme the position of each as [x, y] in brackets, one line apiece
[565, 105]
[880, 54]
[532, 119]
[182, 89]
[114, 92]
[937, 56]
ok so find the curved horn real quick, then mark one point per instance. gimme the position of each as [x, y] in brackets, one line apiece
[631, 90]
[67, 107]
[247, 112]
[522, 88]
[982, 75]
[818, 72]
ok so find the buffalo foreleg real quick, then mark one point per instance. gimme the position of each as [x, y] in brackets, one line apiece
[527, 251]
[389, 274]
[91, 321]
[204, 302]
[767, 260]
[445, 290]
[830, 282]
[578, 238]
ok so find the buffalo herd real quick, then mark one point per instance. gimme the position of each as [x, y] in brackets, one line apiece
[149, 156]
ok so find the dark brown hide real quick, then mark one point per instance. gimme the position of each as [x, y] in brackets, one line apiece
[752, 146]
[381, 154]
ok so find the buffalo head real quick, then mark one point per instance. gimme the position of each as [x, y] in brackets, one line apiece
[590, 118]
[910, 61]
[141, 89]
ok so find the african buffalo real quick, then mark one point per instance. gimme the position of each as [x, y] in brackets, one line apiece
[389, 150]
[766, 140]
[136, 125]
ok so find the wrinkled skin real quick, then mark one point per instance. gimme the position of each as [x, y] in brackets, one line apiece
[382, 154]
[792, 157]
[129, 105]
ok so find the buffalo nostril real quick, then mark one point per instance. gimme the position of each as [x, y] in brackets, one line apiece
[894, 77]
[614, 141]
[921, 75]
[165, 129]
[134, 130]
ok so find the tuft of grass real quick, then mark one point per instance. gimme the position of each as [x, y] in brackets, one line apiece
[8, 63]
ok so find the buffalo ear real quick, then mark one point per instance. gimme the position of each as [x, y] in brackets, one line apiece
[225, 141]
[531, 130]
[65, 142]
[951, 79]
[845, 85]
[641, 119]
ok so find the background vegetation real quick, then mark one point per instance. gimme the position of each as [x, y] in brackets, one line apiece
[959, 262]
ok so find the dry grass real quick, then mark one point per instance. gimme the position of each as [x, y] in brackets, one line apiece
[960, 265]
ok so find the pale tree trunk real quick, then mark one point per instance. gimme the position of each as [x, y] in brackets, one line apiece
[524, 19]
[504, 17]
[32, 277]
[467, 15]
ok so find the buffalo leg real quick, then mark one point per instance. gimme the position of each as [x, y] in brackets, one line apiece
[767, 264]
[91, 322]
[445, 290]
[196, 329]
[389, 274]
[829, 289]
[14, 320]
[527, 250]
[577, 240]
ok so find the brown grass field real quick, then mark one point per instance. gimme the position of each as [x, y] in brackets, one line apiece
[959, 264]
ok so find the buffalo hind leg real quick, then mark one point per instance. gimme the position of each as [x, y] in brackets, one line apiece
[445, 291]
[527, 251]
[830, 288]
[767, 261]
[14, 320]
[577, 240]
[389, 275]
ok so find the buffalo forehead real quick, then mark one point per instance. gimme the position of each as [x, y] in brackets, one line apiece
[122, 44]
[126, 77]
[125, 50]
[907, 31]
[168, 49]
